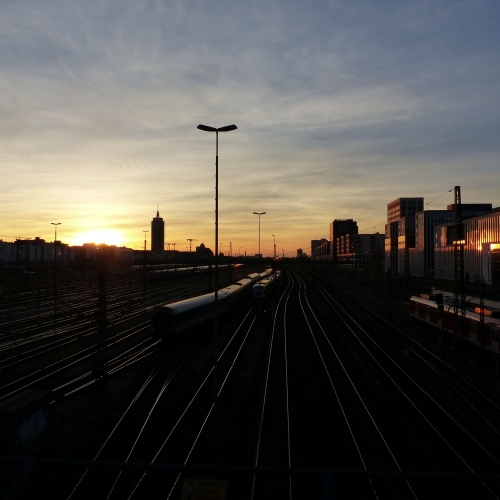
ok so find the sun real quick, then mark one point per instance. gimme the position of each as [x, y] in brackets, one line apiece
[98, 236]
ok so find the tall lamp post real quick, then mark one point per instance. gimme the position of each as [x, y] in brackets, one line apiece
[55, 224]
[206, 128]
[259, 214]
[274, 246]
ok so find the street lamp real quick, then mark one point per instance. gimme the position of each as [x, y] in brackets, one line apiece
[259, 214]
[274, 246]
[206, 128]
[55, 224]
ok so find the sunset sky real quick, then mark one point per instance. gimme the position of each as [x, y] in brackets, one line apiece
[341, 107]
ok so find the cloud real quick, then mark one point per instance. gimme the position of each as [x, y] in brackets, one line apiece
[340, 107]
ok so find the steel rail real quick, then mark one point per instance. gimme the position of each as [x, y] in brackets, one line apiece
[356, 392]
[337, 307]
[286, 293]
[190, 404]
[156, 371]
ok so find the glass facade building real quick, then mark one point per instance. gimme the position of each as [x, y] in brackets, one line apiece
[481, 250]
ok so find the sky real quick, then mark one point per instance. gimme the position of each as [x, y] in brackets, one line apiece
[341, 107]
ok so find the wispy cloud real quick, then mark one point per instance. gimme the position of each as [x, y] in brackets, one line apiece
[340, 106]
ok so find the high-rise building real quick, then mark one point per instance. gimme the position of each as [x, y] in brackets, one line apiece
[403, 207]
[157, 233]
[400, 231]
[338, 228]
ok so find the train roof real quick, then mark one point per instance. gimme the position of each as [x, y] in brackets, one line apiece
[186, 304]
[243, 281]
[495, 304]
[253, 276]
[231, 288]
[263, 282]
[447, 307]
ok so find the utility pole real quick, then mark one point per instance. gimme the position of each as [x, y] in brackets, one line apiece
[190, 241]
[55, 224]
[458, 266]
[481, 314]
[174, 251]
[100, 364]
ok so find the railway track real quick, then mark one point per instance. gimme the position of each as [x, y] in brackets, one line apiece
[313, 382]
[273, 445]
[456, 446]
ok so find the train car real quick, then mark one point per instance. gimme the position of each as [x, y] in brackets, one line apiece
[140, 267]
[261, 290]
[162, 274]
[426, 310]
[172, 320]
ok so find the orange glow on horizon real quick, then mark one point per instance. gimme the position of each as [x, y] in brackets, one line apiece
[99, 236]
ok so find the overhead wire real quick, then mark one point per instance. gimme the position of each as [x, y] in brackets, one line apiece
[429, 202]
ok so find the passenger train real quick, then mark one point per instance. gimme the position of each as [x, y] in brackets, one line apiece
[426, 310]
[161, 274]
[173, 320]
[262, 289]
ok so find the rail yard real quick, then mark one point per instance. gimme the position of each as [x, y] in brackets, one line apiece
[311, 385]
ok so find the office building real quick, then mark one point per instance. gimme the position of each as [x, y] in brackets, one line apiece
[421, 258]
[338, 228]
[320, 249]
[481, 249]
[361, 251]
[400, 231]
[403, 207]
